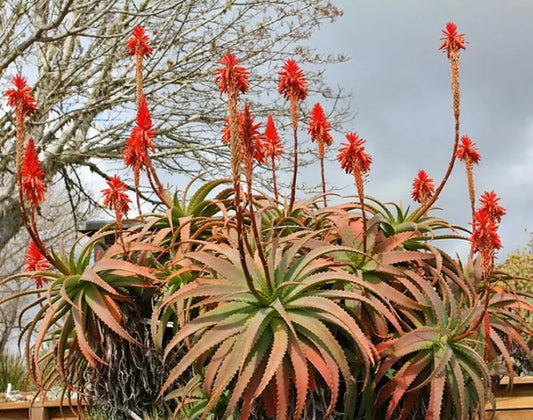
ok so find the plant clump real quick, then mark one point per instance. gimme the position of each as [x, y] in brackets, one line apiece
[229, 303]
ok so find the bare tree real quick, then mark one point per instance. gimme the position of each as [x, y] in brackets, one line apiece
[73, 53]
[55, 228]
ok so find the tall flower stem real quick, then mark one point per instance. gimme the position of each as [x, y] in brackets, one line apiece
[319, 130]
[323, 178]
[355, 160]
[468, 153]
[293, 86]
[233, 79]
[359, 184]
[235, 162]
[19, 130]
[156, 185]
[253, 148]
[294, 119]
[274, 181]
[272, 149]
[255, 231]
[471, 188]
[138, 77]
[454, 64]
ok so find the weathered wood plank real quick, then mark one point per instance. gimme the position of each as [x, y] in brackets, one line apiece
[511, 415]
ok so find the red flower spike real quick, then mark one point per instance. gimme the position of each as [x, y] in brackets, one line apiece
[452, 41]
[231, 77]
[489, 204]
[251, 132]
[250, 136]
[115, 197]
[292, 81]
[272, 142]
[467, 152]
[319, 128]
[226, 129]
[141, 139]
[21, 95]
[138, 44]
[35, 261]
[423, 187]
[485, 238]
[352, 155]
[143, 119]
[33, 185]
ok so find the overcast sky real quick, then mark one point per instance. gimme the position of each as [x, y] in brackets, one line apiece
[400, 84]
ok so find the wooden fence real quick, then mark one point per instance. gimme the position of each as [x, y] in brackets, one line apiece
[510, 405]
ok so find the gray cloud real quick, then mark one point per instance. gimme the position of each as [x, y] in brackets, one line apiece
[401, 94]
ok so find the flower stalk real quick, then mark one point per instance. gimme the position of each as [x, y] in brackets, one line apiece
[232, 79]
[319, 129]
[355, 160]
[272, 150]
[141, 139]
[452, 42]
[29, 173]
[468, 153]
[253, 150]
[293, 86]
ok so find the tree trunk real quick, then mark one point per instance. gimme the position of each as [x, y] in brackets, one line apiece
[10, 220]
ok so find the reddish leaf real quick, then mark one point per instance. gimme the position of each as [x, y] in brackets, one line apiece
[435, 398]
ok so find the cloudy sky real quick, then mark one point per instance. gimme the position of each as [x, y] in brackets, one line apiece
[401, 95]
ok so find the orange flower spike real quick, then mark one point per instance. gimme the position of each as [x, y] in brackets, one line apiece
[33, 184]
[115, 198]
[273, 148]
[485, 239]
[251, 138]
[138, 44]
[21, 96]
[226, 134]
[139, 47]
[292, 81]
[467, 151]
[35, 261]
[354, 159]
[352, 155]
[231, 78]
[489, 204]
[141, 139]
[272, 142]
[452, 41]
[319, 129]
[485, 232]
[423, 187]
[143, 118]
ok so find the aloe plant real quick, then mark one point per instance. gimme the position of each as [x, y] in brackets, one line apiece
[260, 347]
[78, 306]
